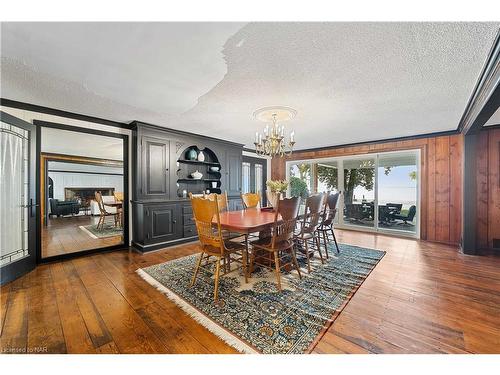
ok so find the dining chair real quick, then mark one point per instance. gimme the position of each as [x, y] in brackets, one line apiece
[280, 245]
[102, 211]
[119, 210]
[212, 242]
[327, 218]
[308, 231]
[250, 200]
[222, 200]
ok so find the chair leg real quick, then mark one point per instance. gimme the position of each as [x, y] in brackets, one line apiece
[316, 239]
[335, 239]
[307, 257]
[217, 271]
[252, 259]
[197, 268]
[325, 240]
[244, 259]
[277, 268]
[295, 263]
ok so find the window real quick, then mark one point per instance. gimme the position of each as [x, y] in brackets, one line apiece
[378, 191]
[245, 175]
[259, 169]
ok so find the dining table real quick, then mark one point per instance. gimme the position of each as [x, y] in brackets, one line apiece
[247, 221]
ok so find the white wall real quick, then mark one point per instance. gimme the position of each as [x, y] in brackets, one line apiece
[65, 180]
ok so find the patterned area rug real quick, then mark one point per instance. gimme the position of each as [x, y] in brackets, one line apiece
[257, 318]
[108, 230]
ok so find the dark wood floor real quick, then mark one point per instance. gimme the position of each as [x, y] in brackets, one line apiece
[63, 235]
[421, 298]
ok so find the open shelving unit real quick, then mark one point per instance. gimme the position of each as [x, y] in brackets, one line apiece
[187, 166]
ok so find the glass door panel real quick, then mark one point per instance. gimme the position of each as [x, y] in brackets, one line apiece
[245, 177]
[300, 180]
[397, 191]
[17, 213]
[359, 192]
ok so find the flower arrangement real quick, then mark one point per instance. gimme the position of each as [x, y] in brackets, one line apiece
[277, 186]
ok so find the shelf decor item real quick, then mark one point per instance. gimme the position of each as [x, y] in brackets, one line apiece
[196, 175]
[214, 169]
[201, 156]
[214, 184]
[192, 154]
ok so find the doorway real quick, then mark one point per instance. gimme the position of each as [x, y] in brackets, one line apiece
[254, 176]
[83, 189]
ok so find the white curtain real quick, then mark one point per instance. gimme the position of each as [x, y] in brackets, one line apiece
[13, 193]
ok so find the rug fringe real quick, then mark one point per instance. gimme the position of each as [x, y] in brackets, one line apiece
[206, 322]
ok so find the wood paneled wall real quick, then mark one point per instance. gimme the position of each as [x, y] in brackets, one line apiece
[488, 188]
[441, 180]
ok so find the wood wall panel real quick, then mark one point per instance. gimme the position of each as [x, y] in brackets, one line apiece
[488, 188]
[441, 179]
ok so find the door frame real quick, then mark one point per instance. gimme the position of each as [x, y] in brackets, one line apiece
[125, 138]
[375, 155]
[22, 266]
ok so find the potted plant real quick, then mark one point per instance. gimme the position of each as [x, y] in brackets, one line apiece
[275, 190]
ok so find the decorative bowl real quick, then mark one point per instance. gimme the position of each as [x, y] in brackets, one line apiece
[214, 169]
[196, 175]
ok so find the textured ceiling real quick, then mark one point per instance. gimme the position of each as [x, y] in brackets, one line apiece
[349, 82]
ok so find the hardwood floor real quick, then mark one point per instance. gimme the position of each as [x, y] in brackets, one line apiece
[421, 298]
[63, 235]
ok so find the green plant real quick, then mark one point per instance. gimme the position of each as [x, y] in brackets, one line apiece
[298, 188]
[277, 186]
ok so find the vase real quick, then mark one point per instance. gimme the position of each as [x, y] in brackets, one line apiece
[192, 154]
[201, 156]
[272, 197]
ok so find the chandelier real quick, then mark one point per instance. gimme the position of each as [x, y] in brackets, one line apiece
[273, 142]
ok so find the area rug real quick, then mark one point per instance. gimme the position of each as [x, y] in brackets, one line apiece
[108, 230]
[255, 317]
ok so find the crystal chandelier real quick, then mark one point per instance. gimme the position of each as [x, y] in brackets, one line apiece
[273, 142]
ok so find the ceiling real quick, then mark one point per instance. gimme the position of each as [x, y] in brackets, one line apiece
[349, 82]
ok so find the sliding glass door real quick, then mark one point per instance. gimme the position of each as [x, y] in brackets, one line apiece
[378, 191]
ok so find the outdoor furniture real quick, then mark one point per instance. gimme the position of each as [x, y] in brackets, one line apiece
[327, 218]
[213, 244]
[406, 218]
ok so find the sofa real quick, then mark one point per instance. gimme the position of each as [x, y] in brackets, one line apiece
[94, 207]
[61, 208]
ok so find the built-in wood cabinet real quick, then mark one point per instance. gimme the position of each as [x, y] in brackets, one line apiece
[161, 216]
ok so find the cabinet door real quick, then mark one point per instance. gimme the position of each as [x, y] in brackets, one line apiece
[233, 172]
[155, 168]
[235, 204]
[163, 222]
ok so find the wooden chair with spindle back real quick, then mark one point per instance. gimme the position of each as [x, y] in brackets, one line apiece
[102, 211]
[275, 248]
[326, 225]
[212, 242]
[119, 210]
[250, 200]
[308, 228]
[222, 200]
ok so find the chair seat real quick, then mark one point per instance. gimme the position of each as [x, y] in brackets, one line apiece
[265, 244]
[303, 235]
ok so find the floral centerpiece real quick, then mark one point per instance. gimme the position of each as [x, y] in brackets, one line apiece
[275, 190]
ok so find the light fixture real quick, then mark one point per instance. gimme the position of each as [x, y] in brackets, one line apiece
[273, 142]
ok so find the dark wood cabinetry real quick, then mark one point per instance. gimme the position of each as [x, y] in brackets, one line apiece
[160, 172]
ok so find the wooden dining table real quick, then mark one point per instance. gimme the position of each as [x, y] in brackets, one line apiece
[246, 221]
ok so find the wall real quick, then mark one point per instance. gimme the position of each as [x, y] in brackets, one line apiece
[441, 179]
[488, 188]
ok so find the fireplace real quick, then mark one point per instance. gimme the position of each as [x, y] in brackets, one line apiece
[85, 194]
